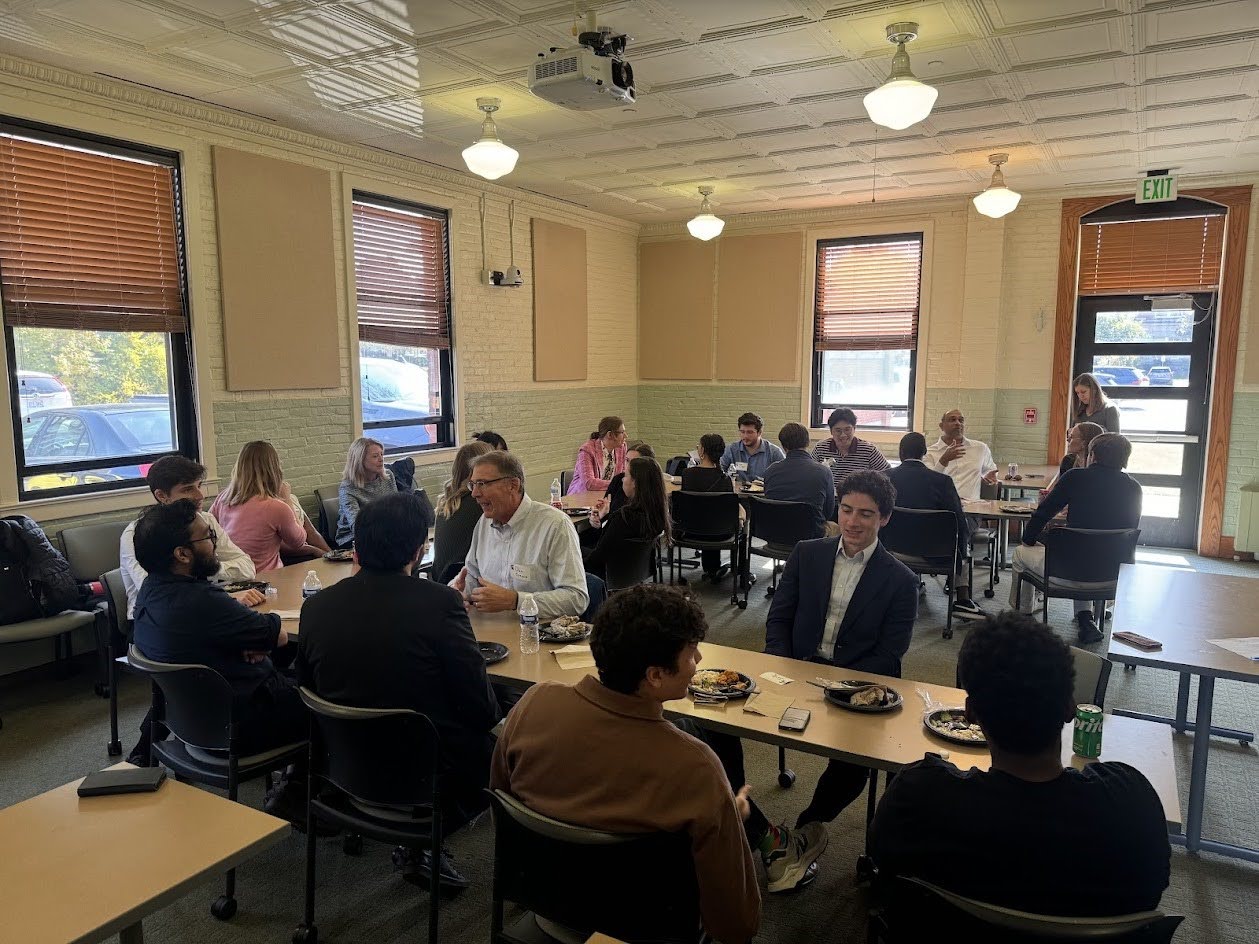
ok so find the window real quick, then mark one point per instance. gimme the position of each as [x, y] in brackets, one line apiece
[865, 329]
[93, 293]
[402, 278]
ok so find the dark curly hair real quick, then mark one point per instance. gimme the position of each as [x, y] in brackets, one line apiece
[1019, 677]
[713, 446]
[642, 627]
[875, 484]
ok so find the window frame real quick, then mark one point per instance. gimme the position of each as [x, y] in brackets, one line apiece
[819, 409]
[181, 359]
[445, 421]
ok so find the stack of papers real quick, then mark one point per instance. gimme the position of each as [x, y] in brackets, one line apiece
[288, 614]
[768, 704]
[574, 657]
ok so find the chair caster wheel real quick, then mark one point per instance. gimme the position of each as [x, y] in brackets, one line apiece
[401, 857]
[352, 844]
[786, 778]
[743, 604]
[1244, 743]
[114, 748]
[865, 868]
[989, 594]
[769, 592]
[306, 934]
[101, 689]
[224, 909]
[947, 634]
[1128, 667]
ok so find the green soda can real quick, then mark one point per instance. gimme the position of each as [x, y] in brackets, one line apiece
[1087, 740]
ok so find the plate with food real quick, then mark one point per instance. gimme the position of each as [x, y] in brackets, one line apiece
[492, 652]
[564, 629]
[577, 512]
[721, 683]
[860, 695]
[236, 586]
[754, 488]
[340, 554]
[952, 725]
[1016, 508]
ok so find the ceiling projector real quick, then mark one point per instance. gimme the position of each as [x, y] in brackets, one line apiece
[593, 75]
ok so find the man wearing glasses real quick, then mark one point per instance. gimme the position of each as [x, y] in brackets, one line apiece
[520, 547]
[181, 617]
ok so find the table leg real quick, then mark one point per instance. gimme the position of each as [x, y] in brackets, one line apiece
[132, 934]
[1182, 703]
[1198, 767]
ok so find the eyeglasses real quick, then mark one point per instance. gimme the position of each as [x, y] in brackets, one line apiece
[211, 537]
[474, 484]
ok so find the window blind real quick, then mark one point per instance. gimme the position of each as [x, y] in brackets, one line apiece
[867, 294]
[401, 272]
[87, 240]
[1151, 256]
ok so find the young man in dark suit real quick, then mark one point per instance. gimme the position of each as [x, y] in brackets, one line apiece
[383, 639]
[920, 487]
[846, 601]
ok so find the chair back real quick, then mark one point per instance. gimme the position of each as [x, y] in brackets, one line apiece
[916, 911]
[705, 514]
[588, 880]
[92, 549]
[377, 756]
[1088, 556]
[918, 532]
[329, 512]
[198, 701]
[566, 479]
[781, 523]
[1092, 673]
[116, 596]
[675, 465]
[630, 563]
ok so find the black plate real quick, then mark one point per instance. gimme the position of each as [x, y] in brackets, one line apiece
[577, 512]
[492, 652]
[236, 586]
[342, 554]
[750, 687]
[545, 634]
[934, 722]
[839, 698]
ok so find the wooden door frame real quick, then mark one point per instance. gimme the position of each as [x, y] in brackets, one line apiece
[1224, 366]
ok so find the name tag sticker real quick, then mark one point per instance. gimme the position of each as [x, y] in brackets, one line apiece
[519, 572]
[739, 466]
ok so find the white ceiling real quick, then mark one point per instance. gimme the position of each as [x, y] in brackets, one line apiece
[760, 97]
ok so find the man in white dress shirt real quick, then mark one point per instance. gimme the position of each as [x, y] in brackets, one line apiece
[968, 462]
[519, 547]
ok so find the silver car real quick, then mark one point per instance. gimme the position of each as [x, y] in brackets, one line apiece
[39, 391]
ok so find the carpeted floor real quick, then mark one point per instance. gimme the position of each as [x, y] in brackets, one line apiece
[55, 731]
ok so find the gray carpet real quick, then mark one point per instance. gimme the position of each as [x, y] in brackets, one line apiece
[55, 731]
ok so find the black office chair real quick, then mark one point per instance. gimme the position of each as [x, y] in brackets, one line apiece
[675, 465]
[780, 525]
[925, 541]
[708, 521]
[566, 479]
[631, 562]
[1083, 564]
[916, 911]
[572, 881]
[375, 773]
[91, 550]
[195, 704]
[986, 534]
[329, 502]
[116, 599]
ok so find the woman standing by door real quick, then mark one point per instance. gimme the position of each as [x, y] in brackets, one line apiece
[1090, 405]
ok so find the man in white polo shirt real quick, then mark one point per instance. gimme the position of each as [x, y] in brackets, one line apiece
[968, 462]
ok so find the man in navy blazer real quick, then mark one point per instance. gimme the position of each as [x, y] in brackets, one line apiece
[846, 601]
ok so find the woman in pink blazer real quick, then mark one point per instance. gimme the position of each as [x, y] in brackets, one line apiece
[600, 457]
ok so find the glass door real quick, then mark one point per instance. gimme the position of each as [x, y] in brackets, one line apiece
[1154, 365]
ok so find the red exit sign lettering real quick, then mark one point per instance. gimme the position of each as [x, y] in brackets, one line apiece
[1029, 415]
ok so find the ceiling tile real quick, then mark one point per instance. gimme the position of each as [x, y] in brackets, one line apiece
[323, 34]
[118, 19]
[938, 24]
[732, 94]
[417, 20]
[1072, 42]
[1078, 103]
[730, 14]
[1175, 26]
[1013, 14]
[801, 44]
[239, 56]
[823, 80]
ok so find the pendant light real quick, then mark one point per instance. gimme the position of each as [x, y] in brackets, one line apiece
[998, 199]
[706, 226]
[489, 157]
[902, 100]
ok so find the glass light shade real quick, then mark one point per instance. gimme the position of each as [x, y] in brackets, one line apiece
[996, 202]
[490, 158]
[900, 102]
[706, 226]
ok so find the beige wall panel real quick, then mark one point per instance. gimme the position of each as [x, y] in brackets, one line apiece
[277, 273]
[758, 307]
[559, 301]
[675, 309]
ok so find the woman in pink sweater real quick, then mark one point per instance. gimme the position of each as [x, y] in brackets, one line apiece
[600, 458]
[258, 512]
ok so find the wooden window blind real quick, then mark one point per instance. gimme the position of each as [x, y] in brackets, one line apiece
[401, 273]
[867, 294]
[1151, 256]
[88, 240]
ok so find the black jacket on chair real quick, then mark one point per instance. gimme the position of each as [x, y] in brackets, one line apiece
[928, 490]
[877, 624]
[628, 524]
[1098, 498]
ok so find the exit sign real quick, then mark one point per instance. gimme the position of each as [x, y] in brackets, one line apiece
[1157, 189]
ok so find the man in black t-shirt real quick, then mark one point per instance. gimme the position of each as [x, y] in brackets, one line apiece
[1028, 834]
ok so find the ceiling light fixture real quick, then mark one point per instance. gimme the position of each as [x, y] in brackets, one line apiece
[998, 199]
[902, 100]
[489, 157]
[706, 226]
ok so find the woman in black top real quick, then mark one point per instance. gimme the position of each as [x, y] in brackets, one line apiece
[643, 517]
[457, 515]
[1089, 404]
[708, 477]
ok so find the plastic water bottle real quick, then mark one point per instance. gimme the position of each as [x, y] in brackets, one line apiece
[555, 494]
[311, 585]
[529, 641]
